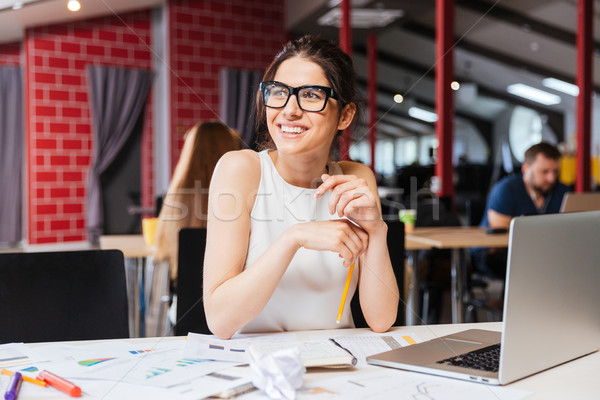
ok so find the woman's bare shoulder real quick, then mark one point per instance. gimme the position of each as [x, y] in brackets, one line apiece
[240, 168]
[241, 161]
[358, 169]
[243, 158]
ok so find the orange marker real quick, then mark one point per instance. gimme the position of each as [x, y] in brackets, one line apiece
[25, 378]
[348, 279]
[61, 384]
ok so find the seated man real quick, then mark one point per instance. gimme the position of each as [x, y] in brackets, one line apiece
[534, 191]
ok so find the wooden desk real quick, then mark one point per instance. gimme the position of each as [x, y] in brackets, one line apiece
[573, 380]
[411, 244]
[453, 237]
[135, 248]
[132, 246]
[457, 238]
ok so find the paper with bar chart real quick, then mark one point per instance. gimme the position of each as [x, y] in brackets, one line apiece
[159, 364]
[13, 354]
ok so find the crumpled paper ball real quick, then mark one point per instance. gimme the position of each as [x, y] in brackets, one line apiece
[279, 374]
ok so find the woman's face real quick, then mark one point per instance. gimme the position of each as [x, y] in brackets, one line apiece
[295, 131]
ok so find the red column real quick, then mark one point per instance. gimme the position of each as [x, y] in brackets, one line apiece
[585, 11]
[372, 74]
[345, 28]
[444, 105]
[346, 45]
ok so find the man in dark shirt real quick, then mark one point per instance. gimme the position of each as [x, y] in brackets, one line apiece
[535, 191]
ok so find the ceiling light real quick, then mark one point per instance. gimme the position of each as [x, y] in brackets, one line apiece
[561, 86]
[398, 98]
[534, 46]
[17, 6]
[533, 94]
[362, 18]
[73, 5]
[455, 85]
[423, 115]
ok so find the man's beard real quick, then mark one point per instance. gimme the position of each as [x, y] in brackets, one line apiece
[540, 191]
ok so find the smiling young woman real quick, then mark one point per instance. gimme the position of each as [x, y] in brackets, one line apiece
[285, 224]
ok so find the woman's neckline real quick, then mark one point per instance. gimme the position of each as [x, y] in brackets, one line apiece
[286, 182]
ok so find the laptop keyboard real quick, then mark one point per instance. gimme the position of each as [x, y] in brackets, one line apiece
[485, 359]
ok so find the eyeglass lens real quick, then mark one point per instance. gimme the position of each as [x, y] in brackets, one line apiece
[310, 98]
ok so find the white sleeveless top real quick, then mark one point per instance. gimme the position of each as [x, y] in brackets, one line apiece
[309, 293]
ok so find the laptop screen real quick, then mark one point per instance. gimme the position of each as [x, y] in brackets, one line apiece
[577, 202]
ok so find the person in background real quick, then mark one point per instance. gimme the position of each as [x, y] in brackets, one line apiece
[285, 224]
[535, 191]
[185, 204]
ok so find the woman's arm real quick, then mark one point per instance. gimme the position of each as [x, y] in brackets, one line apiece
[354, 195]
[233, 296]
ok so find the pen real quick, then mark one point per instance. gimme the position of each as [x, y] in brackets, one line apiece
[354, 359]
[13, 386]
[59, 383]
[348, 279]
[25, 378]
[236, 391]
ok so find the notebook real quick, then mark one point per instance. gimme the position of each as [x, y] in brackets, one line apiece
[551, 312]
[322, 353]
[576, 202]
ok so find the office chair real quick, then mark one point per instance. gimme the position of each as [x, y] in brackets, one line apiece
[474, 209]
[190, 306]
[395, 242]
[59, 296]
[436, 279]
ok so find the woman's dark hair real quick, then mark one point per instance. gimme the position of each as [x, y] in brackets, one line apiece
[337, 66]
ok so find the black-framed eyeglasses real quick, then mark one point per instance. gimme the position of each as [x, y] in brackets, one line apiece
[311, 98]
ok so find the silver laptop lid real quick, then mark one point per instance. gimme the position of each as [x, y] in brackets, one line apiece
[551, 306]
[577, 202]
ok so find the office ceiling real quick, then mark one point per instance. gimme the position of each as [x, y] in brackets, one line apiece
[499, 43]
[16, 15]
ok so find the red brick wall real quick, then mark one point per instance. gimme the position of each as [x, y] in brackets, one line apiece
[207, 36]
[204, 37]
[10, 54]
[58, 120]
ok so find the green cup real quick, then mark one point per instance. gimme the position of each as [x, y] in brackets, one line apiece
[408, 217]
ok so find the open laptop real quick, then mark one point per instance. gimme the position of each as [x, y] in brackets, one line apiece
[551, 312]
[577, 202]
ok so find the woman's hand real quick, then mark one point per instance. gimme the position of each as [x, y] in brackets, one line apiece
[340, 236]
[354, 196]
[351, 197]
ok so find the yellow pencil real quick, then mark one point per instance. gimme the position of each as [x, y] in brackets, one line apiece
[26, 378]
[348, 279]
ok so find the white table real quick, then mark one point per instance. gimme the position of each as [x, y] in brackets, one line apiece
[577, 379]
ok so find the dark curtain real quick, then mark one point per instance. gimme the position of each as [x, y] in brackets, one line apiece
[238, 96]
[11, 153]
[118, 98]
